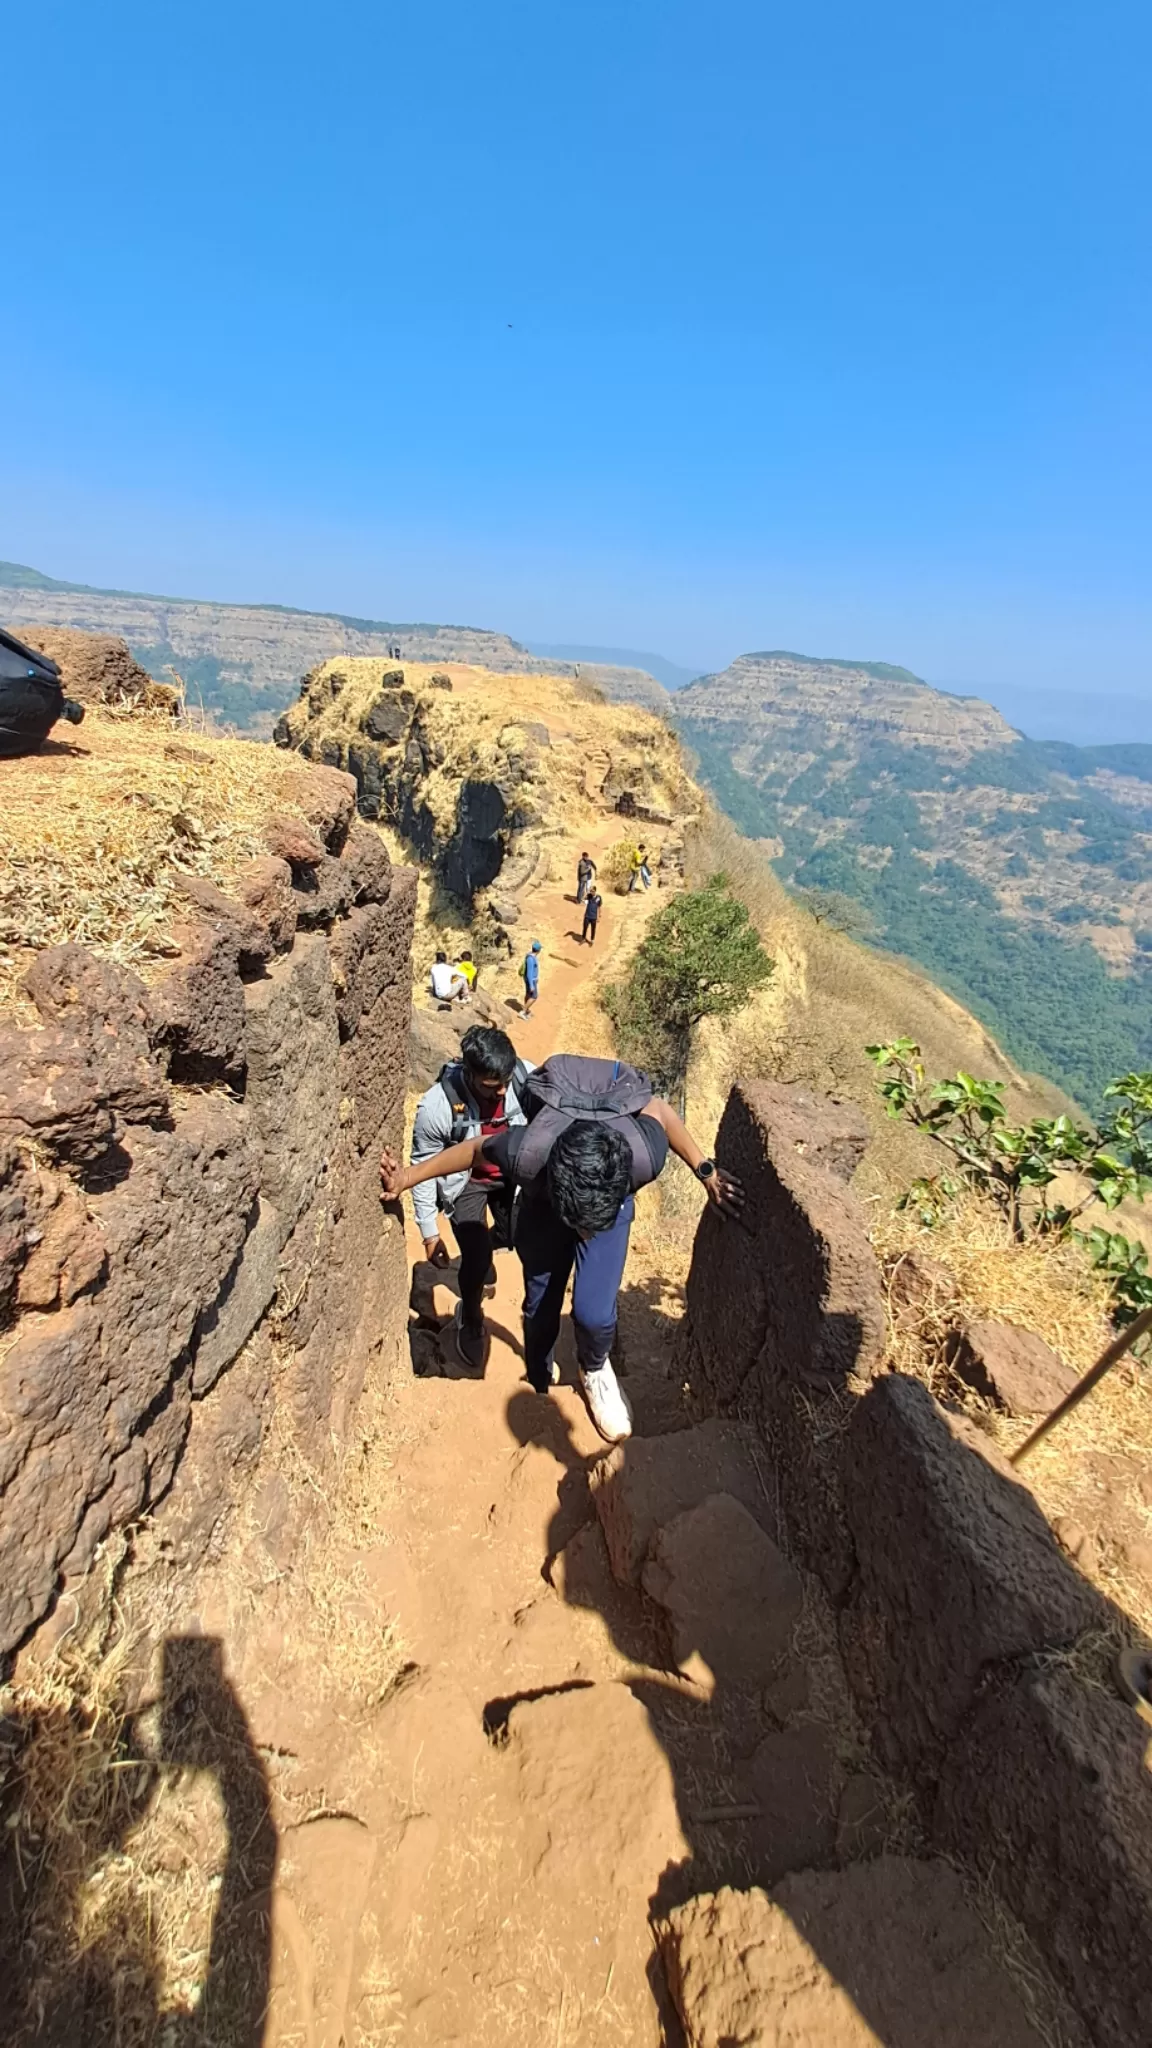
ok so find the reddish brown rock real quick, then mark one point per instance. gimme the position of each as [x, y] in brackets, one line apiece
[1012, 1367]
[368, 860]
[732, 1595]
[648, 1481]
[265, 889]
[287, 839]
[957, 1570]
[72, 1086]
[327, 797]
[1048, 1791]
[323, 894]
[821, 1130]
[70, 1255]
[917, 1283]
[795, 1778]
[794, 1290]
[97, 668]
[785, 1317]
[887, 1954]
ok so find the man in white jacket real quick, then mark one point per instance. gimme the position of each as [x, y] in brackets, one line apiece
[476, 1097]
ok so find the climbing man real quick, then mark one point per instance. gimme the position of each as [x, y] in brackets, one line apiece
[641, 872]
[592, 909]
[585, 876]
[446, 983]
[475, 1097]
[595, 1134]
[531, 973]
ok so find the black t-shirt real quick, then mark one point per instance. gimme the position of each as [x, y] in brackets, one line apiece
[504, 1147]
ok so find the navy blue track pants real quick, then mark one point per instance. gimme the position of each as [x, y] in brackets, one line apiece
[548, 1251]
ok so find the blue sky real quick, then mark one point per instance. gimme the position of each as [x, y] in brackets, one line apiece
[699, 329]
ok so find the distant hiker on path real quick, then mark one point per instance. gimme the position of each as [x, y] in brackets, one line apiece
[446, 983]
[592, 910]
[595, 1133]
[641, 872]
[585, 876]
[531, 973]
[475, 1098]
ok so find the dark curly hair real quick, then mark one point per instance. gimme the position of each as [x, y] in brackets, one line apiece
[589, 1177]
[489, 1053]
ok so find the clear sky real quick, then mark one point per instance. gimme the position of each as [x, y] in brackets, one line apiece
[694, 327]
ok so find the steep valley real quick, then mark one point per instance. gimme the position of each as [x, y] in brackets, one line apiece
[1017, 873]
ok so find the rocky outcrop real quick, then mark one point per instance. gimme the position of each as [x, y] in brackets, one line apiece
[785, 1311]
[476, 781]
[98, 668]
[959, 1613]
[884, 1955]
[145, 1233]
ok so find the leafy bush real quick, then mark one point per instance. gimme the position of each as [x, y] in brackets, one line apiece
[1125, 1265]
[1016, 1164]
[701, 957]
[614, 871]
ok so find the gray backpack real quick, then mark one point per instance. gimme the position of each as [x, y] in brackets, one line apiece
[570, 1089]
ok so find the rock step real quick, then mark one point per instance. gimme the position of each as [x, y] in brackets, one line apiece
[889, 1954]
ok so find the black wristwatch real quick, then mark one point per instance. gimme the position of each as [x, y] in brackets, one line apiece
[705, 1170]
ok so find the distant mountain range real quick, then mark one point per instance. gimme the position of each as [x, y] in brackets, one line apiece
[670, 673]
[243, 662]
[1017, 872]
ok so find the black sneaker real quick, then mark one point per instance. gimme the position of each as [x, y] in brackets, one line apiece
[471, 1340]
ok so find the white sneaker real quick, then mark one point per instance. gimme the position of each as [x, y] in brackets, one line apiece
[607, 1403]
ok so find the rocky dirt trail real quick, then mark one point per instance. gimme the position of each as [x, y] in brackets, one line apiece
[612, 1707]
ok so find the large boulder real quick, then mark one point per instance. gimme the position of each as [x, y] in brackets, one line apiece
[643, 1484]
[1048, 1792]
[72, 1087]
[785, 1307]
[888, 1954]
[731, 1595]
[957, 1571]
[1011, 1367]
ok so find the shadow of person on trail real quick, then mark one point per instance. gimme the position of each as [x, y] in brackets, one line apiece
[896, 1931]
[74, 1977]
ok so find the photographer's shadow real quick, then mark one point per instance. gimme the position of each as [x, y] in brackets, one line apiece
[59, 1993]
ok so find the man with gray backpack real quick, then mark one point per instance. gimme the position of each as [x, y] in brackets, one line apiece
[477, 1096]
[594, 1134]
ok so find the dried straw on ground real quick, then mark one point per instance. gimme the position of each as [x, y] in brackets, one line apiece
[98, 830]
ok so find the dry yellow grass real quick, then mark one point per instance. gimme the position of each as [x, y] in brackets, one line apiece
[96, 835]
[1051, 1289]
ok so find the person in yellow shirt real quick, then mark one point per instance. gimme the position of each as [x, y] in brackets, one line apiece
[468, 969]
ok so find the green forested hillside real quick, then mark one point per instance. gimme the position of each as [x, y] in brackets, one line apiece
[1017, 874]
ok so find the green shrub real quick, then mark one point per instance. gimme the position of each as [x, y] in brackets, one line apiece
[701, 957]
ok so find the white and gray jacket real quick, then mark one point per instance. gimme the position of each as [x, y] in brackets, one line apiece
[437, 1126]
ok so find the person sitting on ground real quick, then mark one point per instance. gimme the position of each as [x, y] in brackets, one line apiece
[531, 973]
[592, 909]
[446, 983]
[585, 876]
[595, 1134]
[641, 872]
[477, 1096]
[468, 968]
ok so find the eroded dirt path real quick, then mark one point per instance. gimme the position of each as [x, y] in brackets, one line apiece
[494, 1753]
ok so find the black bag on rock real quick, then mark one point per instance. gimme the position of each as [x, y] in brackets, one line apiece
[31, 699]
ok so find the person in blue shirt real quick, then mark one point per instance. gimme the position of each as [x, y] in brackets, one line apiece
[531, 972]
